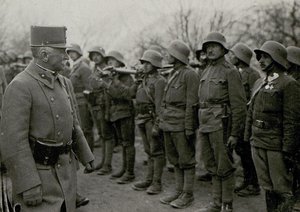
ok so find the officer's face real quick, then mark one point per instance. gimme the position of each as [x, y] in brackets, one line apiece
[96, 57]
[233, 59]
[214, 51]
[73, 55]
[56, 59]
[113, 62]
[148, 67]
[170, 58]
[265, 61]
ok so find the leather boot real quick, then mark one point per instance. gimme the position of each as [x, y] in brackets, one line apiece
[100, 165]
[123, 167]
[81, 201]
[187, 197]
[271, 200]
[143, 185]
[130, 160]
[106, 169]
[179, 180]
[159, 163]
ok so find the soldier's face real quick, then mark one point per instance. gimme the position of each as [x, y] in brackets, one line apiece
[233, 59]
[148, 67]
[265, 61]
[96, 57]
[73, 55]
[56, 59]
[214, 51]
[170, 58]
[113, 62]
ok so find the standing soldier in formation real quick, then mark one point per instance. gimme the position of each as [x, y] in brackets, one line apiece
[122, 115]
[293, 57]
[79, 77]
[222, 114]
[177, 121]
[3, 85]
[240, 56]
[148, 101]
[40, 131]
[203, 60]
[270, 126]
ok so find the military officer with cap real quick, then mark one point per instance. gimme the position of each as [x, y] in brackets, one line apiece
[79, 77]
[270, 126]
[240, 55]
[148, 104]
[40, 132]
[177, 121]
[222, 114]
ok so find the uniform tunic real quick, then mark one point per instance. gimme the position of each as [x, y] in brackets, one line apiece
[39, 104]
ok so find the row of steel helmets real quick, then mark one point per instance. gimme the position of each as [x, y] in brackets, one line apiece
[293, 54]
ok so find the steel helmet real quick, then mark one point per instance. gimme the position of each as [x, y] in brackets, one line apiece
[215, 37]
[179, 50]
[116, 55]
[74, 47]
[152, 57]
[242, 52]
[276, 50]
[97, 49]
[293, 54]
[155, 48]
[27, 54]
[12, 55]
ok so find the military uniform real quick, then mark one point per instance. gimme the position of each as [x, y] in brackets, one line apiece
[42, 105]
[3, 85]
[79, 77]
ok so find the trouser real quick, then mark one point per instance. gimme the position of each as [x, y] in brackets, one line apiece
[274, 177]
[217, 162]
[154, 149]
[125, 133]
[243, 149]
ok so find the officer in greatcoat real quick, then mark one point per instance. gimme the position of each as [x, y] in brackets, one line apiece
[40, 133]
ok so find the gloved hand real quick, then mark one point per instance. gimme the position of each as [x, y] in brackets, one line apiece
[288, 160]
[89, 167]
[190, 135]
[33, 196]
[231, 142]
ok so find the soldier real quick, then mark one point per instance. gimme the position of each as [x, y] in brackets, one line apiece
[148, 102]
[79, 77]
[178, 124]
[203, 60]
[293, 57]
[270, 126]
[97, 55]
[10, 67]
[3, 85]
[240, 56]
[38, 149]
[27, 57]
[222, 113]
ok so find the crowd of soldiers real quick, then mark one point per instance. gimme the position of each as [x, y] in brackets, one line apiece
[219, 101]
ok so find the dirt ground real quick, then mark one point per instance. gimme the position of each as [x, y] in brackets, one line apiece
[108, 196]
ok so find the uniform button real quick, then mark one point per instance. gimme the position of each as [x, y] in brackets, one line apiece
[43, 75]
[57, 116]
[58, 165]
[58, 133]
[72, 111]
[52, 99]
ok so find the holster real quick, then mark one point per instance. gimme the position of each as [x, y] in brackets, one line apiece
[47, 154]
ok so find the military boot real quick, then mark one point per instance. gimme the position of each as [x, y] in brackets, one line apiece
[143, 185]
[130, 160]
[100, 165]
[286, 202]
[179, 179]
[271, 200]
[187, 197]
[159, 163]
[106, 169]
[123, 167]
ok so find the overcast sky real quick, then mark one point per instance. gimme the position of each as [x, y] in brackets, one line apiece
[118, 21]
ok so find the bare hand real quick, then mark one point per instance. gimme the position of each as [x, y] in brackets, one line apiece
[89, 167]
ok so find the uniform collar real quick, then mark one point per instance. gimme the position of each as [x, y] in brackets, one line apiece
[44, 75]
[218, 61]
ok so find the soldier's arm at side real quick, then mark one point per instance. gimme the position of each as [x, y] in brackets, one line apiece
[158, 95]
[192, 86]
[237, 99]
[14, 145]
[82, 149]
[291, 115]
